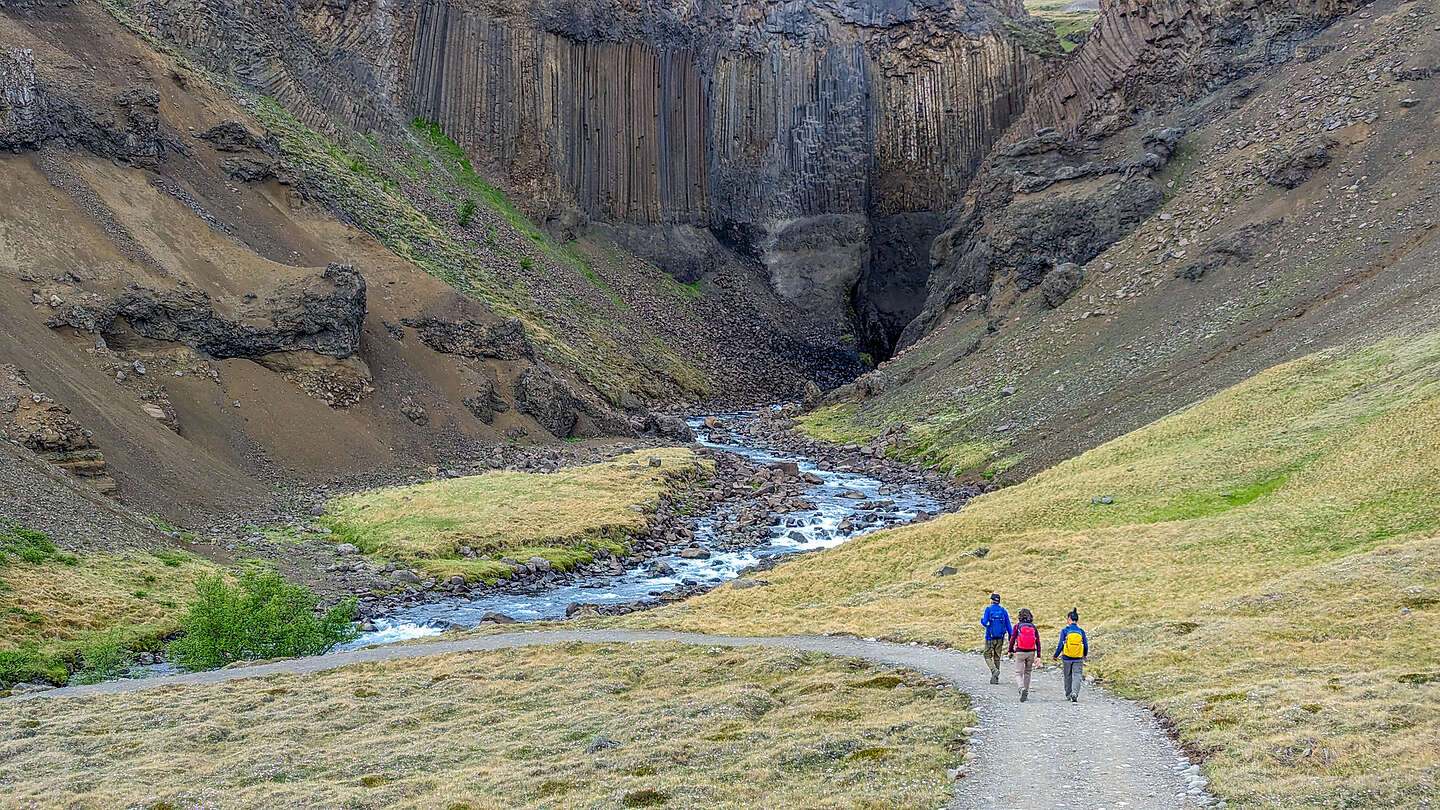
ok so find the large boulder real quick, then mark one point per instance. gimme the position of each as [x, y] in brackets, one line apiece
[539, 393]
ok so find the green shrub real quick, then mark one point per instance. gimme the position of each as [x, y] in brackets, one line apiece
[527, 263]
[261, 616]
[28, 545]
[467, 213]
[30, 664]
[104, 655]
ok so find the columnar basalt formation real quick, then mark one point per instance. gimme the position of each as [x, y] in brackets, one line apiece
[1073, 173]
[1147, 55]
[740, 119]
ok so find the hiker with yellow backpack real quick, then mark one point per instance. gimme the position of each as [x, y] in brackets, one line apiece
[1071, 652]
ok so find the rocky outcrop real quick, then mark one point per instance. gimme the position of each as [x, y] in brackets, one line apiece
[486, 402]
[506, 340]
[34, 113]
[46, 428]
[1038, 204]
[541, 394]
[321, 314]
[1144, 56]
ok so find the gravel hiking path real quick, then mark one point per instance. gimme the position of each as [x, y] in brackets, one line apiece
[1102, 752]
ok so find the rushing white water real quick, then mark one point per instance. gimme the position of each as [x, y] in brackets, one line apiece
[806, 530]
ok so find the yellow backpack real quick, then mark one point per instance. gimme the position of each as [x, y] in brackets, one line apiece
[1074, 645]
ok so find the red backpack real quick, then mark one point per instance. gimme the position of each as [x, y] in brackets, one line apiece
[1025, 638]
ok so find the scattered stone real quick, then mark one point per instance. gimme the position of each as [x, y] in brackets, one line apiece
[497, 618]
[946, 571]
[347, 548]
[745, 583]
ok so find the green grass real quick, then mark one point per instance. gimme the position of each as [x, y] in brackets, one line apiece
[1279, 541]
[1065, 22]
[81, 615]
[28, 545]
[565, 516]
[459, 165]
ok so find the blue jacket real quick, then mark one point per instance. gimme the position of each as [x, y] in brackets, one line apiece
[996, 622]
[1084, 642]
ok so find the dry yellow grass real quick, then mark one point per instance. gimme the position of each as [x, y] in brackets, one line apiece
[1266, 576]
[56, 601]
[569, 726]
[560, 516]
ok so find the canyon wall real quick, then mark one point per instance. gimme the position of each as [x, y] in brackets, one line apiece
[1146, 56]
[776, 131]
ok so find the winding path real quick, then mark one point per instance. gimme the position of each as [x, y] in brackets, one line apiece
[1102, 752]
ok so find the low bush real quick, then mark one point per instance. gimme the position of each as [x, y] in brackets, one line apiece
[260, 616]
[467, 213]
[29, 664]
[29, 546]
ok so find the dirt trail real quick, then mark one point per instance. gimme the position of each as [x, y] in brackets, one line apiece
[1102, 752]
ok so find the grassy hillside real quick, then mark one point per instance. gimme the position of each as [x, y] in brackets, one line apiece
[1266, 572]
[566, 726]
[562, 516]
[81, 612]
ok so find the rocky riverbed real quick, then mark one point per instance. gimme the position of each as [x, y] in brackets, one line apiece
[772, 494]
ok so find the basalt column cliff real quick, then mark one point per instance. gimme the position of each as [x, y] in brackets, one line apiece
[823, 140]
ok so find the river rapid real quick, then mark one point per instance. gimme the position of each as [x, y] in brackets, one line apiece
[845, 505]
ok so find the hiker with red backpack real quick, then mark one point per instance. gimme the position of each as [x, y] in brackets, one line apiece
[1025, 640]
[996, 622]
[1071, 651]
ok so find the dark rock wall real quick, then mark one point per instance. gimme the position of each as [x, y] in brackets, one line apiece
[1145, 55]
[739, 118]
[708, 116]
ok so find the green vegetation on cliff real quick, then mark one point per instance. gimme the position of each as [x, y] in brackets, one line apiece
[1262, 566]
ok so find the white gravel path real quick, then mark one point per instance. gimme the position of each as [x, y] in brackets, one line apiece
[1102, 752]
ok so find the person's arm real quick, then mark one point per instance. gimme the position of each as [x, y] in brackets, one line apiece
[1084, 645]
[1060, 644]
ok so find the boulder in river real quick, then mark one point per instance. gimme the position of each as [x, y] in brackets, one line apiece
[695, 553]
[789, 469]
[497, 618]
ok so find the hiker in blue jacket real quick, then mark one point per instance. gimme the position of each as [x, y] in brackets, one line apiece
[996, 622]
[1071, 651]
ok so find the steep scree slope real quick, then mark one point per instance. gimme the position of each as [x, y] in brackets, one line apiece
[184, 285]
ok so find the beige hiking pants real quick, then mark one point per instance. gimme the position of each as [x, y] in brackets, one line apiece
[1024, 665]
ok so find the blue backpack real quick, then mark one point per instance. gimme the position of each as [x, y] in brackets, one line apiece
[996, 624]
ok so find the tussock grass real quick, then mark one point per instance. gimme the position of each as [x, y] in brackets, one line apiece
[61, 612]
[1266, 576]
[562, 516]
[63, 600]
[596, 726]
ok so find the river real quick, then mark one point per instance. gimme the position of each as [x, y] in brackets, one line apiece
[811, 529]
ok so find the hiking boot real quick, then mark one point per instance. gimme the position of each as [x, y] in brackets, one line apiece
[1024, 693]
[994, 677]
[1074, 698]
